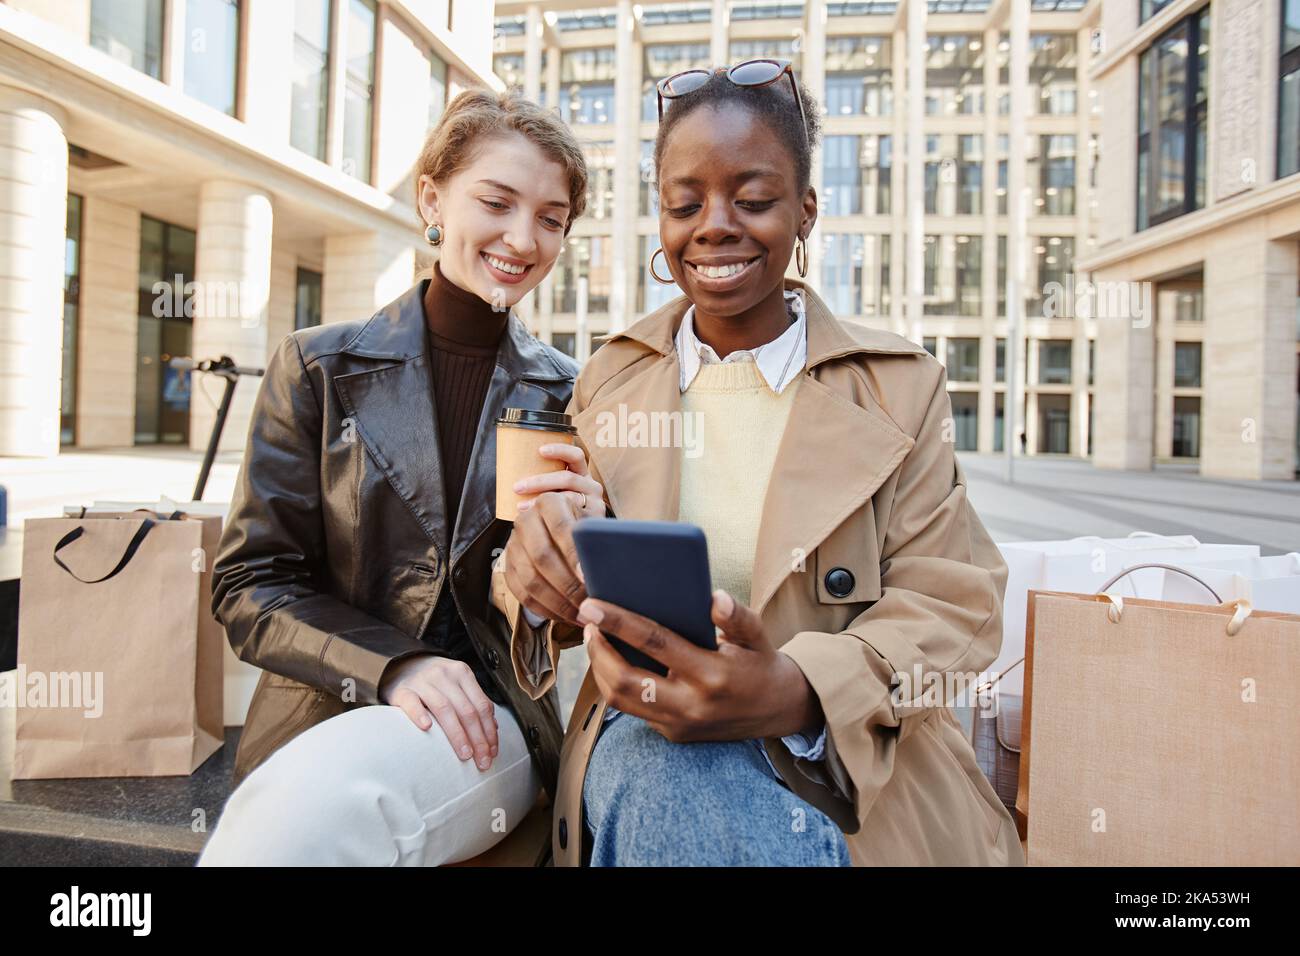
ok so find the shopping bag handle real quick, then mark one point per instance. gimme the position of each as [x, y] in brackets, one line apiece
[136, 540]
[1241, 607]
[1167, 567]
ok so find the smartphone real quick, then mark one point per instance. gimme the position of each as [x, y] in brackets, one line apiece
[658, 569]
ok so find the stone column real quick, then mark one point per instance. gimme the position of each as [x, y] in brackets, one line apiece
[1124, 382]
[231, 299]
[110, 324]
[364, 272]
[627, 113]
[533, 54]
[33, 224]
[814, 77]
[1248, 410]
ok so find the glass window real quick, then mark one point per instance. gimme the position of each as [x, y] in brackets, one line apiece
[999, 425]
[1288, 114]
[859, 77]
[587, 81]
[766, 10]
[654, 16]
[1054, 424]
[952, 275]
[662, 60]
[600, 179]
[1172, 111]
[130, 31]
[510, 68]
[1187, 364]
[1187, 427]
[437, 88]
[930, 344]
[855, 175]
[358, 98]
[307, 300]
[1151, 7]
[651, 294]
[1053, 84]
[965, 418]
[1002, 275]
[954, 174]
[769, 49]
[583, 257]
[954, 75]
[1054, 361]
[842, 265]
[311, 53]
[71, 309]
[1000, 361]
[1053, 61]
[1050, 174]
[566, 342]
[165, 323]
[212, 52]
[1051, 260]
[963, 360]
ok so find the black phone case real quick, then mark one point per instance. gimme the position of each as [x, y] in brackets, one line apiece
[658, 569]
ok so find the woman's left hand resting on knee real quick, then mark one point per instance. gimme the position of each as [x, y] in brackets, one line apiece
[744, 689]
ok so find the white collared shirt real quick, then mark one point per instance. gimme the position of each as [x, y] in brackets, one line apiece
[779, 361]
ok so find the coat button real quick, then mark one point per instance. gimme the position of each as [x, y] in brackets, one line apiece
[534, 735]
[493, 658]
[839, 581]
[564, 833]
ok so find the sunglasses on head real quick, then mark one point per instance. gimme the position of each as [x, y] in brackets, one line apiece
[762, 72]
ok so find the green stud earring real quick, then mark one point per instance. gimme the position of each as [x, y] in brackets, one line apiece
[434, 235]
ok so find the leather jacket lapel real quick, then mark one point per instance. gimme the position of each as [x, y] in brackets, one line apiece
[391, 407]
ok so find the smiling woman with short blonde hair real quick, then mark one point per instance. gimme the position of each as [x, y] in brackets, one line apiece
[356, 561]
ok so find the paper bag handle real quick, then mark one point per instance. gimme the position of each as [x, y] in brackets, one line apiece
[127, 555]
[1241, 607]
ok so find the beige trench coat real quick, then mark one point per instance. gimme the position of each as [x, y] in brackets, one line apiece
[865, 480]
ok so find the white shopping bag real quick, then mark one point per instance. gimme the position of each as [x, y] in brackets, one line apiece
[1269, 583]
[1082, 566]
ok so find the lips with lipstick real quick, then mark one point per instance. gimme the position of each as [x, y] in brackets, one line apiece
[720, 273]
[505, 269]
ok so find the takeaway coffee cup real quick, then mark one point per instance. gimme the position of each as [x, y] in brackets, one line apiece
[520, 433]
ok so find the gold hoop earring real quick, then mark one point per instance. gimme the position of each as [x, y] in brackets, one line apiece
[654, 275]
[801, 257]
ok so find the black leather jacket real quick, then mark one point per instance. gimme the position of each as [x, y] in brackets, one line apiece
[333, 555]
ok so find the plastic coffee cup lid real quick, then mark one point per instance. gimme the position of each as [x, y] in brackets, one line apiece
[535, 418]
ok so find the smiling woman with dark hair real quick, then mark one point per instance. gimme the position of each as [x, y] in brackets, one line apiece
[848, 559]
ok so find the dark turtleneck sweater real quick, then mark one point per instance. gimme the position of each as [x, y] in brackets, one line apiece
[464, 333]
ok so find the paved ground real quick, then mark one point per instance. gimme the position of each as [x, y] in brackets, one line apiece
[1052, 498]
[1055, 498]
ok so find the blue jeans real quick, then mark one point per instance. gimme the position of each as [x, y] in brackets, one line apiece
[651, 802]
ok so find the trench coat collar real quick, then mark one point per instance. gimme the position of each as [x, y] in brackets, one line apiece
[827, 338]
[833, 455]
[390, 406]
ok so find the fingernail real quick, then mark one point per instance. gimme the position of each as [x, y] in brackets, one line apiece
[586, 634]
[484, 763]
[521, 484]
[725, 602]
[494, 750]
[465, 753]
[589, 613]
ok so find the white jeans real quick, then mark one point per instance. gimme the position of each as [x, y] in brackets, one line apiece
[369, 788]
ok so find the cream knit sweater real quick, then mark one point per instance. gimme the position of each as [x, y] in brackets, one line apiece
[723, 488]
